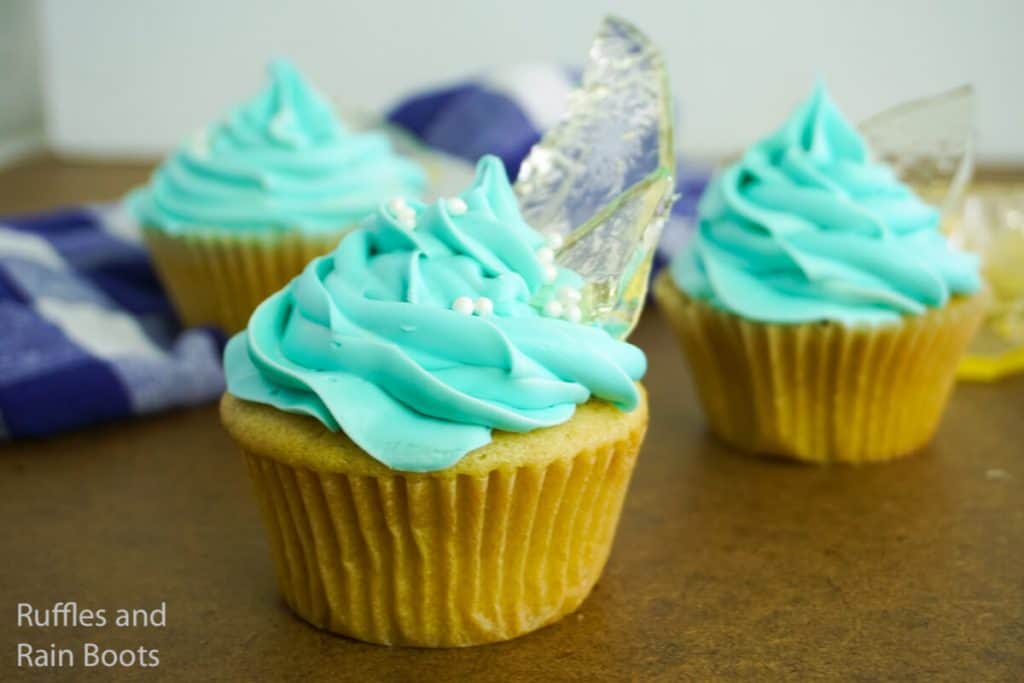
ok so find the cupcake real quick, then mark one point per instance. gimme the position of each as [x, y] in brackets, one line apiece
[234, 214]
[820, 308]
[439, 445]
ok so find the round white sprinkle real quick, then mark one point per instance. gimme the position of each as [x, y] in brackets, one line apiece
[573, 313]
[546, 255]
[568, 295]
[550, 273]
[483, 306]
[407, 221]
[398, 205]
[463, 305]
[553, 309]
[554, 240]
[456, 206]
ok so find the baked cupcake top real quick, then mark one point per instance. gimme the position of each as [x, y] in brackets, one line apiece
[806, 227]
[282, 160]
[429, 326]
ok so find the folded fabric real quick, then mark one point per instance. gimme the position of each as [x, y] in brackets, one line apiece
[503, 112]
[87, 333]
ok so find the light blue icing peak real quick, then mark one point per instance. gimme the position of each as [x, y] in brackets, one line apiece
[282, 160]
[806, 227]
[366, 339]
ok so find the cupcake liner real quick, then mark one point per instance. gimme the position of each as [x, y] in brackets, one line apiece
[822, 392]
[444, 561]
[451, 558]
[215, 277]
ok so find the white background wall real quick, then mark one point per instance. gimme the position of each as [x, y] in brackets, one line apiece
[131, 78]
[21, 99]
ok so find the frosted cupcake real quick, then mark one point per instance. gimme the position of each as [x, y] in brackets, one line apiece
[233, 215]
[440, 449]
[820, 308]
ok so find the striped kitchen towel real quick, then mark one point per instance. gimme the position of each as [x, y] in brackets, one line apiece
[502, 113]
[86, 333]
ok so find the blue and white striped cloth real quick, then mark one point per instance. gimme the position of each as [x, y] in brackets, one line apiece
[502, 113]
[87, 334]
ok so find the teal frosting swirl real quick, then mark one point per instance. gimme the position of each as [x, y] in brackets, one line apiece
[806, 227]
[367, 341]
[281, 160]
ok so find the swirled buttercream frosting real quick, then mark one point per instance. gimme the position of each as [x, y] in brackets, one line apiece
[282, 160]
[429, 326]
[806, 227]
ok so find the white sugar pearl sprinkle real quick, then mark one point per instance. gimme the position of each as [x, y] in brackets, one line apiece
[546, 255]
[483, 306]
[568, 294]
[550, 273]
[398, 205]
[553, 309]
[407, 221]
[573, 313]
[463, 305]
[456, 206]
[554, 240]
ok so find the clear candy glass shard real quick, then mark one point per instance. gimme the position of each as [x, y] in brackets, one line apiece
[929, 143]
[602, 177]
[992, 225]
[617, 254]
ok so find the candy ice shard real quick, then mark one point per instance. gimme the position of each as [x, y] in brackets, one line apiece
[602, 177]
[928, 142]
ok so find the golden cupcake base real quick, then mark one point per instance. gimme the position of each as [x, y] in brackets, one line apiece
[215, 277]
[822, 392]
[510, 539]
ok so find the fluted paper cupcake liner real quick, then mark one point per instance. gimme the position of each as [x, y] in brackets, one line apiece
[442, 561]
[216, 277]
[510, 539]
[822, 391]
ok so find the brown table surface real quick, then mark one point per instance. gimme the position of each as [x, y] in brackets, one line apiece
[724, 566]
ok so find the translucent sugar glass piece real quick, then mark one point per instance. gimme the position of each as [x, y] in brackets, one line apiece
[602, 177]
[929, 143]
[617, 274]
[991, 223]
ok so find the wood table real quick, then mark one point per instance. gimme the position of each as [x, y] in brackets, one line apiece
[724, 567]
